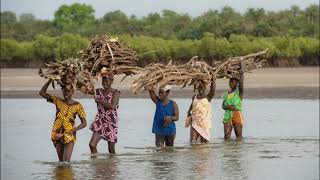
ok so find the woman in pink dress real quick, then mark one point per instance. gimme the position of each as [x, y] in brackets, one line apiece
[105, 125]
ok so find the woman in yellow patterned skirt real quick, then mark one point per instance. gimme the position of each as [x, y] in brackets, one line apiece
[64, 130]
[200, 112]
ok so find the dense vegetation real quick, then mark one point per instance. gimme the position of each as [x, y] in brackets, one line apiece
[292, 36]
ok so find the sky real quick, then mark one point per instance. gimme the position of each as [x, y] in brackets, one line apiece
[44, 9]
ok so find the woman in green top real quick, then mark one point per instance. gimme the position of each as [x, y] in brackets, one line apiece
[232, 104]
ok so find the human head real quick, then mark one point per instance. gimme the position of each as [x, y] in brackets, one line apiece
[67, 92]
[201, 89]
[233, 83]
[164, 92]
[107, 80]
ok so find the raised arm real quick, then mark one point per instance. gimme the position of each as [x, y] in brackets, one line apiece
[243, 67]
[212, 87]
[114, 101]
[152, 94]
[43, 90]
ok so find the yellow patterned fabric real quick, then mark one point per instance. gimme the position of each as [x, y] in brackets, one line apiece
[65, 119]
[201, 117]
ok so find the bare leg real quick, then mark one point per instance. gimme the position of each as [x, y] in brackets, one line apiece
[111, 147]
[238, 130]
[191, 134]
[169, 140]
[159, 141]
[95, 138]
[68, 148]
[59, 148]
[195, 135]
[203, 140]
[227, 130]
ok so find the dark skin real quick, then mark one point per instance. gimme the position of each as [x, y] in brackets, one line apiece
[164, 99]
[194, 135]
[106, 83]
[64, 151]
[234, 84]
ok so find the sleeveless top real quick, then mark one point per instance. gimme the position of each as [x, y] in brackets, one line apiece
[106, 121]
[158, 122]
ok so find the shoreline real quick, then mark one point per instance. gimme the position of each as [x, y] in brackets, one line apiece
[249, 93]
[273, 83]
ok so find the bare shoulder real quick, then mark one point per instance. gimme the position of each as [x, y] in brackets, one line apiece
[174, 103]
[116, 92]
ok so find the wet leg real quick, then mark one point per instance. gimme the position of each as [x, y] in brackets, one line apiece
[68, 148]
[227, 130]
[111, 147]
[238, 130]
[95, 138]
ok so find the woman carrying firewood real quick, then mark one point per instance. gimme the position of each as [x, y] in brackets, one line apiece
[166, 114]
[64, 131]
[232, 104]
[200, 113]
[105, 125]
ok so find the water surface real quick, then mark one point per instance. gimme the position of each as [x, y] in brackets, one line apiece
[281, 142]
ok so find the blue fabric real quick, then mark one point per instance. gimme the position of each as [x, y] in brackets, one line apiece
[158, 121]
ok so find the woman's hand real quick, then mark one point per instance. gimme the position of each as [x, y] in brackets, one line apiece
[98, 101]
[73, 131]
[149, 88]
[58, 136]
[231, 107]
[167, 121]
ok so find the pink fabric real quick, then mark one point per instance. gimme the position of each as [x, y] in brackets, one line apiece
[106, 121]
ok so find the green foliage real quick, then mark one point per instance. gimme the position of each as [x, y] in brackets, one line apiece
[8, 17]
[153, 49]
[74, 18]
[11, 49]
[44, 46]
[69, 45]
[8, 49]
[79, 18]
[216, 34]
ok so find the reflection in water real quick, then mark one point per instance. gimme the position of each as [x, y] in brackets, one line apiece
[204, 161]
[163, 164]
[200, 161]
[104, 168]
[291, 153]
[233, 165]
[63, 172]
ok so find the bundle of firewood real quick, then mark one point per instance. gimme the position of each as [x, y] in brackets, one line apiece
[195, 72]
[231, 67]
[70, 74]
[111, 54]
[192, 73]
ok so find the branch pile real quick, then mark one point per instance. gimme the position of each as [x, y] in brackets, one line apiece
[68, 73]
[111, 54]
[195, 72]
[231, 67]
[192, 73]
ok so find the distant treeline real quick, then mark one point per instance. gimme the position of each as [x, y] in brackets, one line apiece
[292, 36]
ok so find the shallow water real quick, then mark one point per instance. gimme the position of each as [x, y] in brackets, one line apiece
[281, 142]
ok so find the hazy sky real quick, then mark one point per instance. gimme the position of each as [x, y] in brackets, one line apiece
[44, 9]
